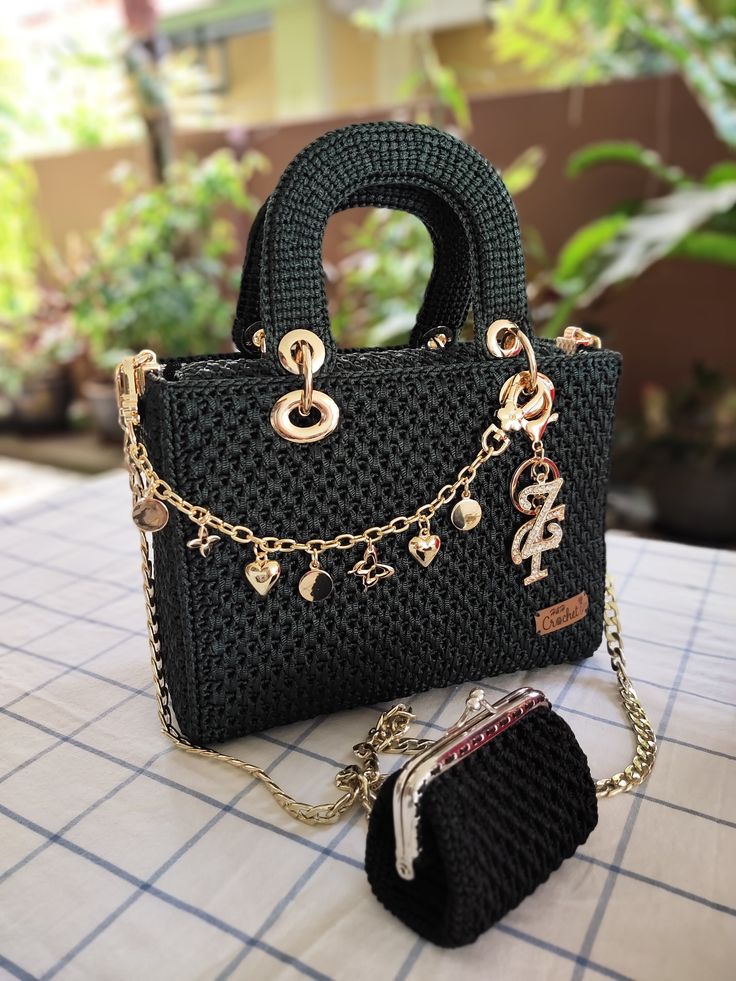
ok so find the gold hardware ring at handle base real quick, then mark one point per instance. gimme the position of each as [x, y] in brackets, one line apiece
[283, 409]
[302, 352]
[290, 346]
[505, 339]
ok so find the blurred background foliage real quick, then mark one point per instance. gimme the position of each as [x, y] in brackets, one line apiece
[160, 267]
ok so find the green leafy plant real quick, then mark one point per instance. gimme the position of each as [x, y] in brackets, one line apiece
[431, 78]
[161, 269]
[694, 218]
[34, 335]
[695, 422]
[35, 346]
[379, 285]
[568, 42]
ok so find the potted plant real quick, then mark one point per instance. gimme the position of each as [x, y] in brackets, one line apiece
[161, 271]
[684, 448]
[36, 340]
[35, 354]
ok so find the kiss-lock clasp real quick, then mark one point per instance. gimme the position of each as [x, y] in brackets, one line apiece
[479, 723]
[521, 409]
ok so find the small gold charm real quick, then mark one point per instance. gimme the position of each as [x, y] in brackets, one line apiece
[466, 514]
[262, 573]
[150, 514]
[316, 584]
[370, 570]
[204, 541]
[424, 548]
[537, 499]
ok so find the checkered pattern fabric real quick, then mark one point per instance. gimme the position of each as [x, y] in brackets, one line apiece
[122, 857]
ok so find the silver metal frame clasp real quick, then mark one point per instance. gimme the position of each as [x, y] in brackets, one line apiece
[480, 722]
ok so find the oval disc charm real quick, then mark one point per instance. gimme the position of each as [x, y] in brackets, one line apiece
[315, 585]
[150, 514]
[466, 514]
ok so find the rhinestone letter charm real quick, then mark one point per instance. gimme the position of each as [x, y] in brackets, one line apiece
[529, 541]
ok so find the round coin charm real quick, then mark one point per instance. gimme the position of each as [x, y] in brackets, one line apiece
[466, 514]
[315, 585]
[150, 514]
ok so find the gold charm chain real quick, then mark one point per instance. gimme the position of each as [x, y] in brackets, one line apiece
[360, 782]
[525, 403]
[494, 442]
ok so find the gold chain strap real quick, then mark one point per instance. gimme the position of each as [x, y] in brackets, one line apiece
[646, 742]
[360, 782]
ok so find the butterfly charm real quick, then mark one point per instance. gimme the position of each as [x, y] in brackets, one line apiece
[370, 570]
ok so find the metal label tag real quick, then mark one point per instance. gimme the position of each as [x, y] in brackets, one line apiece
[562, 614]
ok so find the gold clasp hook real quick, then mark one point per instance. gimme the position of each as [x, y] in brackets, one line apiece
[532, 415]
[130, 380]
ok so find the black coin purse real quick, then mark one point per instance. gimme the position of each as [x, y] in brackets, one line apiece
[475, 822]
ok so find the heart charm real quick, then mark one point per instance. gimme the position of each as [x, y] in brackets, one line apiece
[424, 548]
[262, 575]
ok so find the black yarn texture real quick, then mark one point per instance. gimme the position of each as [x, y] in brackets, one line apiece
[447, 295]
[491, 830]
[410, 418]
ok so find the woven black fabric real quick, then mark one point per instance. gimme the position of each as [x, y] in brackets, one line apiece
[410, 419]
[349, 160]
[447, 295]
[491, 829]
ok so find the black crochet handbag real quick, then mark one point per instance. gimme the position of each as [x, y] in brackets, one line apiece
[334, 528]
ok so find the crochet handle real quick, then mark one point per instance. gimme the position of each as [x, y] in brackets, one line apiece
[348, 160]
[447, 295]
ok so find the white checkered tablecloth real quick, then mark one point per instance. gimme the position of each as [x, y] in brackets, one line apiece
[123, 857]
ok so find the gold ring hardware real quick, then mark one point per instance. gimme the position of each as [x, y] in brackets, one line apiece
[544, 461]
[504, 339]
[304, 358]
[284, 408]
[438, 341]
[259, 340]
[290, 345]
[303, 353]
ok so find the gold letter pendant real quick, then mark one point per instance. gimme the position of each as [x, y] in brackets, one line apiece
[529, 542]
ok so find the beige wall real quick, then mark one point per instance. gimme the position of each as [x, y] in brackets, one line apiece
[312, 61]
[251, 95]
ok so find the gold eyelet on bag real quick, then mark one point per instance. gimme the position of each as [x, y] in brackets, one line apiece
[437, 342]
[290, 346]
[505, 340]
[291, 402]
[303, 353]
[259, 340]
